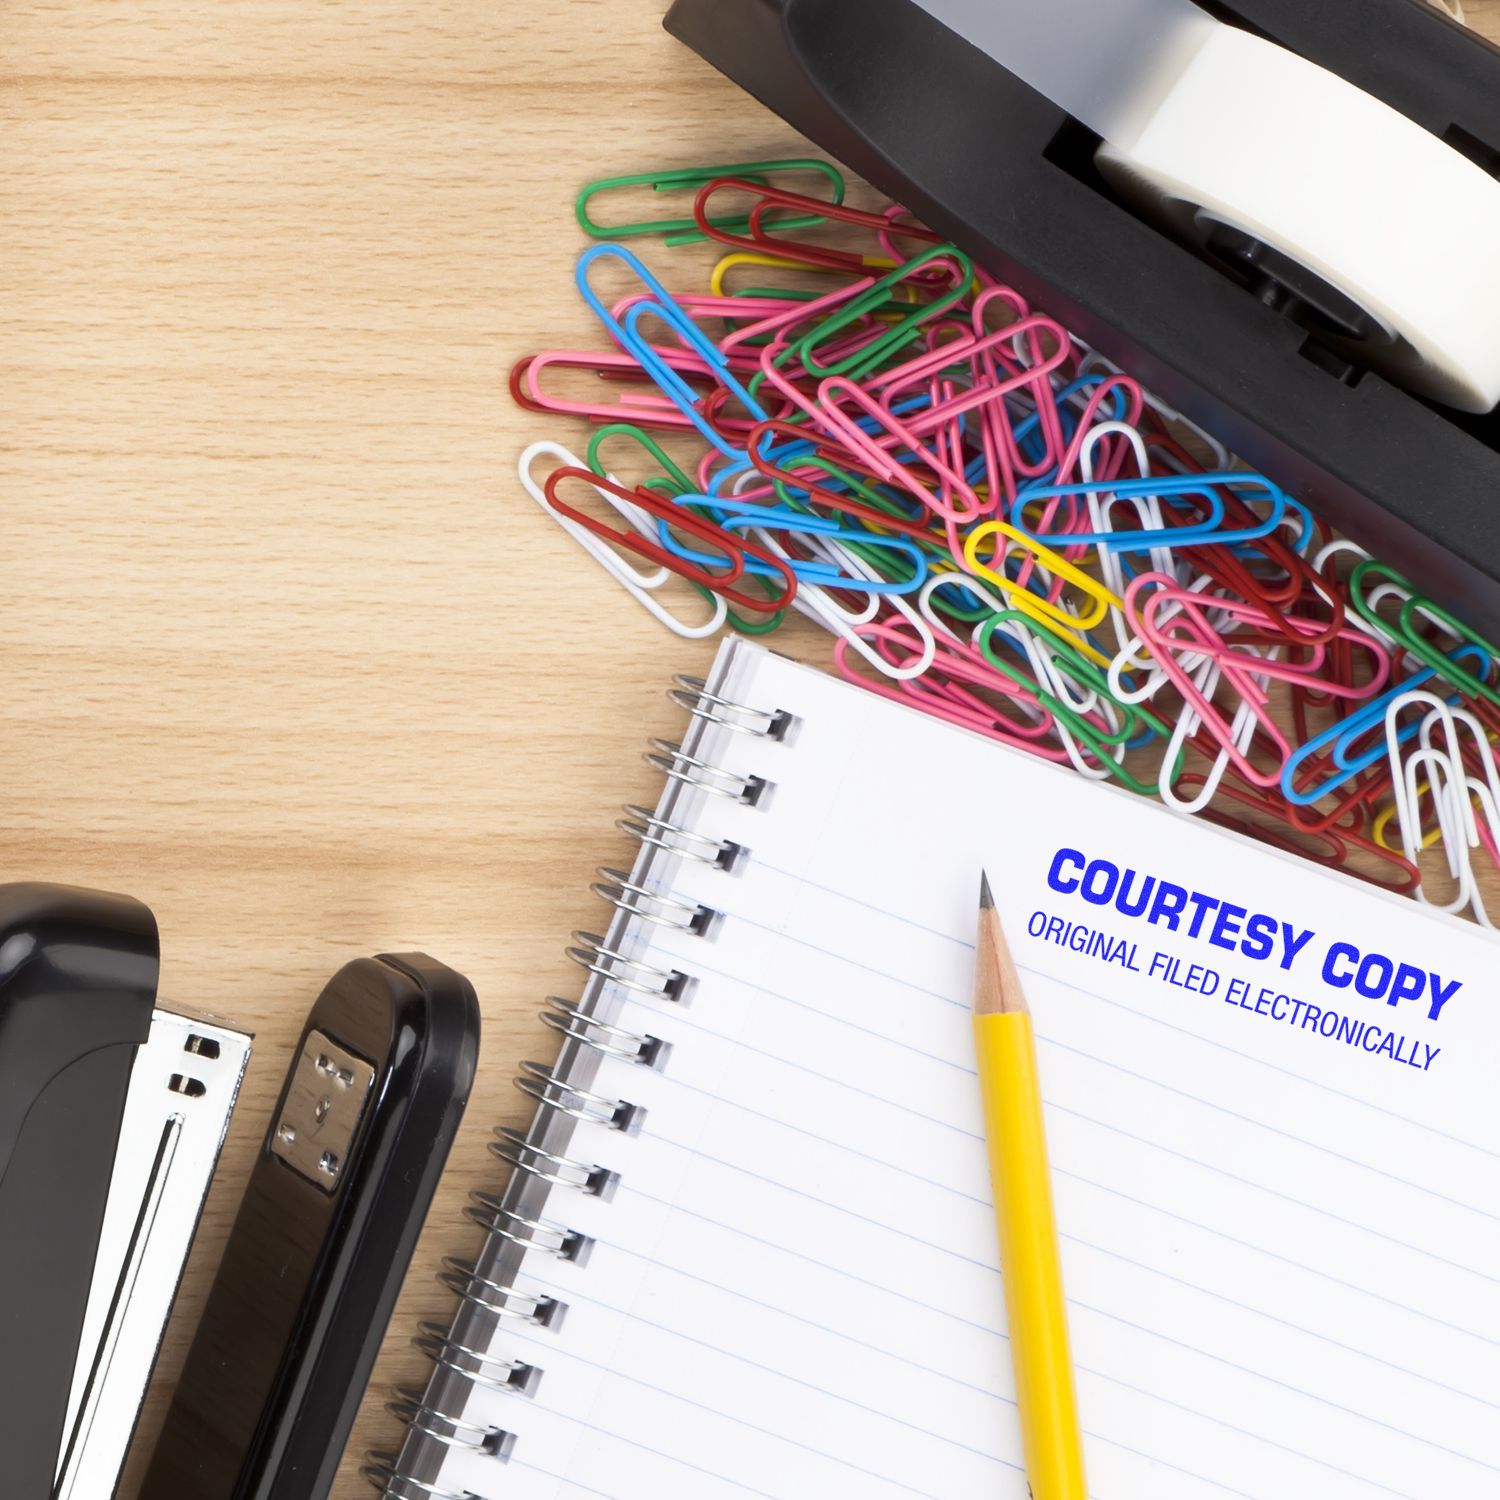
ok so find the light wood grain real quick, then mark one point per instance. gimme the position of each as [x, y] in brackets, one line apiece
[286, 653]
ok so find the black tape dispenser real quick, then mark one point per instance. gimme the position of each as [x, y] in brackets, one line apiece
[1283, 278]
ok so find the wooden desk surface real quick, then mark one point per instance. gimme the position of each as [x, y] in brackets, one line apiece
[287, 653]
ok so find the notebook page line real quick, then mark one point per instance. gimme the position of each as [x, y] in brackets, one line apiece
[1102, 1125]
[1075, 1176]
[988, 1269]
[1154, 1458]
[929, 1181]
[780, 1185]
[1045, 1039]
[983, 1391]
[905, 919]
[1103, 1187]
[558, 1289]
[1118, 1067]
[672, 1458]
[886, 914]
[871, 1031]
[1413, 1311]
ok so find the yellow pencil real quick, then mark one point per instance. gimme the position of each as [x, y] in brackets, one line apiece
[1029, 1260]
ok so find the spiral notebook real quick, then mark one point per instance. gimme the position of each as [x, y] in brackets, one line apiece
[747, 1248]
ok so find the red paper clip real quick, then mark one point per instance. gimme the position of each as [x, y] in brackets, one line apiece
[736, 549]
[769, 200]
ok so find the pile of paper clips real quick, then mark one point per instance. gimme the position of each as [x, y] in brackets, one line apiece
[1000, 528]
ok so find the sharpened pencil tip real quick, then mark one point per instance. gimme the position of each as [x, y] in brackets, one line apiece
[997, 986]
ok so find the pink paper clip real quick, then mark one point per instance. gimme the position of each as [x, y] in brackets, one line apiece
[645, 407]
[1218, 645]
[1242, 677]
[954, 499]
[945, 690]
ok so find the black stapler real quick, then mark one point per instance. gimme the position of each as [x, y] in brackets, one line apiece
[1246, 344]
[112, 1113]
[78, 972]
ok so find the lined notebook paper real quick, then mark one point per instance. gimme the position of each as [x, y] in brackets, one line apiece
[1279, 1197]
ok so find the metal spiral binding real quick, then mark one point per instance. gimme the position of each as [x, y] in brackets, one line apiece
[479, 1367]
[556, 1095]
[676, 764]
[591, 952]
[559, 1171]
[381, 1471]
[462, 1276]
[645, 827]
[622, 893]
[692, 694]
[450, 1431]
[551, 1092]
[642, 1049]
[486, 1210]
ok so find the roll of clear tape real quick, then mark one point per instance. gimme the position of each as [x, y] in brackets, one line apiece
[1255, 138]
[1107, 62]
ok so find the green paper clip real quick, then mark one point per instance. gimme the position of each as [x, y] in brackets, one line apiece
[685, 231]
[1405, 630]
[1078, 668]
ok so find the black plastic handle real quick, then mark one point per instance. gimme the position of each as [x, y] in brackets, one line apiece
[312, 1271]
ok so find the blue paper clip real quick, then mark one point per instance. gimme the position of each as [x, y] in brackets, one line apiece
[628, 337]
[1165, 488]
[739, 515]
[1344, 736]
